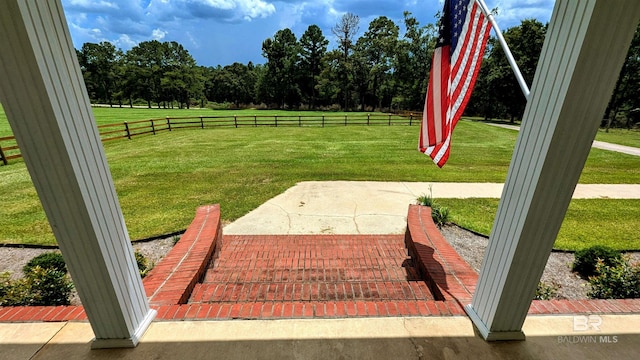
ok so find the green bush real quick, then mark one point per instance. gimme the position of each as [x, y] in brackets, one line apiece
[546, 291]
[13, 293]
[142, 263]
[586, 259]
[618, 281]
[40, 286]
[48, 260]
[48, 286]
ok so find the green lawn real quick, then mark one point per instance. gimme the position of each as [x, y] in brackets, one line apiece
[612, 223]
[620, 136]
[161, 179]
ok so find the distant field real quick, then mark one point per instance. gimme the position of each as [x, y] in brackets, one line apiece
[161, 179]
[620, 136]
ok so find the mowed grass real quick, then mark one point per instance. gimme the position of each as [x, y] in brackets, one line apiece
[161, 179]
[620, 136]
[588, 222]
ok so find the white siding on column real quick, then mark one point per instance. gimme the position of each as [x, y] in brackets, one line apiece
[45, 99]
[582, 56]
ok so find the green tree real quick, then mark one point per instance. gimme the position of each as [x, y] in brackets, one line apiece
[181, 79]
[345, 31]
[497, 85]
[99, 65]
[313, 47]
[413, 63]
[329, 82]
[233, 83]
[626, 95]
[279, 83]
[378, 47]
[144, 71]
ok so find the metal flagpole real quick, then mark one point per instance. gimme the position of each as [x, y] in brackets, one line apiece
[505, 47]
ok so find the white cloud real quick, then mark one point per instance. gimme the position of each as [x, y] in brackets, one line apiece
[158, 34]
[511, 13]
[125, 42]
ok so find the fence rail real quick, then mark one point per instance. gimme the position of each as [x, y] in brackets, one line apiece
[127, 130]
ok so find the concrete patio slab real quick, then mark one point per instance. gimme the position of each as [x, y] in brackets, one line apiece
[369, 207]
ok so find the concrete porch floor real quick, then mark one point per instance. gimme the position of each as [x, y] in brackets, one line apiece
[548, 337]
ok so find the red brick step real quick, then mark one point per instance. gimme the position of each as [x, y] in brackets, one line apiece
[311, 268]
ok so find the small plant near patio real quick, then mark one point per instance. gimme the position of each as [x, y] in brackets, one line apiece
[586, 260]
[439, 214]
[142, 263]
[546, 291]
[618, 281]
[425, 200]
[39, 287]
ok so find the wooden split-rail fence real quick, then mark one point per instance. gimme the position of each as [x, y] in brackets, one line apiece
[127, 130]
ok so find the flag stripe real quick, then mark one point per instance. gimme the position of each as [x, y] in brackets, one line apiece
[453, 74]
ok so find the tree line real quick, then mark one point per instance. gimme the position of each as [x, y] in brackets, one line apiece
[380, 70]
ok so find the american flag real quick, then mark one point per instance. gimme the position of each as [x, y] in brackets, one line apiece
[462, 37]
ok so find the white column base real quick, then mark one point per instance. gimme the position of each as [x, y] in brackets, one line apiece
[130, 342]
[489, 335]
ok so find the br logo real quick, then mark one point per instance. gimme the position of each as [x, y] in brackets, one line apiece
[588, 322]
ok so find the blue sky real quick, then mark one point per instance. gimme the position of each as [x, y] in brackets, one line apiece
[220, 32]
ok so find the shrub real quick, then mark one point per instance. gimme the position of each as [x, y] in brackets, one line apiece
[13, 293]
[48, 286]
[618, 281]
[546, 291]
[142, 263]
[586, 259]
[40, 286]
[48, 260]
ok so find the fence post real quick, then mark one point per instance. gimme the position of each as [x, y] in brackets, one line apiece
[299, 120]
[201, 122]
[322, 120]
[368, 119]
[410, 119]
[276, 117]
[126, 128]
[235, 120]
[153, 127]
[169, 123]
[389, 119]
[2, 157]
[255, 120]
[345, 120]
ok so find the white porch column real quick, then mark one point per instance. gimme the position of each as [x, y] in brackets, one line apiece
[583, 53]
[45, 99]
